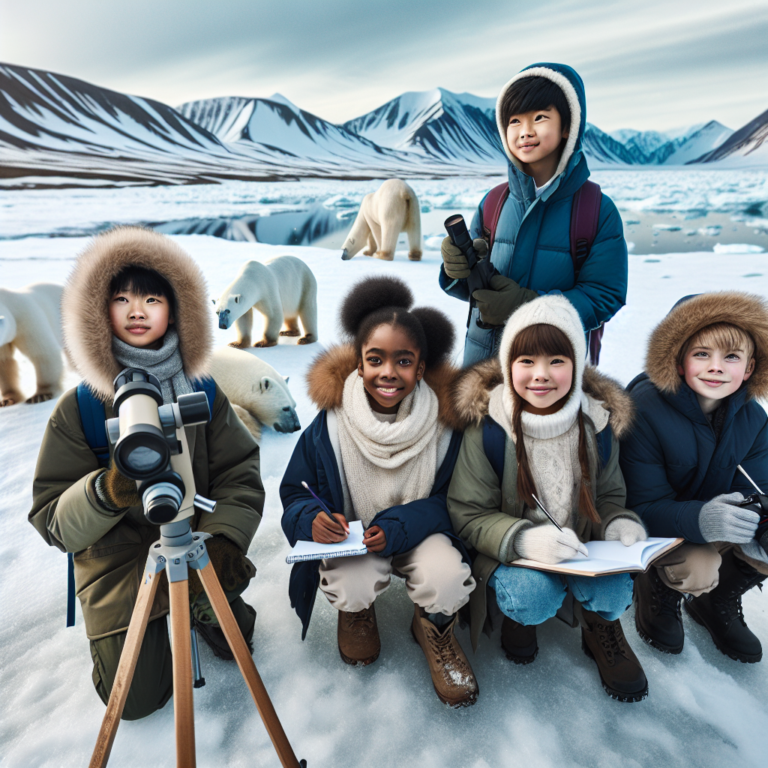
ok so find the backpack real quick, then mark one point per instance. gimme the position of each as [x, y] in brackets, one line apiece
[93, 421]
[585, 214]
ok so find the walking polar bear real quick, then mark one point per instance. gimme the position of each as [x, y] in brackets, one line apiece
[258, 393]
[393, 208]
[30, 321]
[282, 289]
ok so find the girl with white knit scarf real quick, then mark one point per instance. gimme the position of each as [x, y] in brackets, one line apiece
[545, 426]
[380, 451]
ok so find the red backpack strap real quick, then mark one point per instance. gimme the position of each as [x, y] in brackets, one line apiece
[585, 215]
[494, 202]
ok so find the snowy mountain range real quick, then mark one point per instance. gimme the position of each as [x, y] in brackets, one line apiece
[57, 130]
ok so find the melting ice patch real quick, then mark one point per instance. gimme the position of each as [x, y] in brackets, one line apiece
[737, 248]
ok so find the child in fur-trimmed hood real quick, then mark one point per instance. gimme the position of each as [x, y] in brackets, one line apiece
[698, 420]
[135, 299]
[548, 423]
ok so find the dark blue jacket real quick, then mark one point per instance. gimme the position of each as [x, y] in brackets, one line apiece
[532, 244]
[672, 462]
[405, 525]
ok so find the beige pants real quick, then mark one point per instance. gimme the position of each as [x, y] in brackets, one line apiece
[435, 576]
[695, 568]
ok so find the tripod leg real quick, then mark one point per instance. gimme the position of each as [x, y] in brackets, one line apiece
[183, 705]
[125, 669]
[247, 666]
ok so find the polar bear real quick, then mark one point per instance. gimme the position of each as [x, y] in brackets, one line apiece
[283, 289]
[393, 208]
[30, 321]
[258, 393]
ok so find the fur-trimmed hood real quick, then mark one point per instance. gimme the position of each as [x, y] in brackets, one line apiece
[747, 311]
[471, 394]
[85, 303]
[331, 368]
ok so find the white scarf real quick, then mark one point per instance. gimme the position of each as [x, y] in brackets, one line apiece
[387, 464]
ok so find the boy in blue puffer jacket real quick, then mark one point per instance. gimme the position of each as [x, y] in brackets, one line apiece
[541, 116]
[697, 421]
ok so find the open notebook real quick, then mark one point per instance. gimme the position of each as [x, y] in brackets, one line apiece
[608, 557]
[311, 550]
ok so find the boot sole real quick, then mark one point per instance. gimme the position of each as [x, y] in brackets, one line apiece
[358, 662]
[626, 698]
[649, 640]
[521, 660]
[730, 653]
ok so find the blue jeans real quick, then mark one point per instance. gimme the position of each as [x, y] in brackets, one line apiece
[532, 597]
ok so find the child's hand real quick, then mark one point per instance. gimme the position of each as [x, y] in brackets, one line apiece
[375, 539]
[627, 531]
[547, 544]
[326, 532]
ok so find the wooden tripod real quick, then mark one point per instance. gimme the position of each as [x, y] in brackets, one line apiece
[177, 550]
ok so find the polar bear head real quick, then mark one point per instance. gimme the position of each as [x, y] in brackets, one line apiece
[274, 405]
[228, 308]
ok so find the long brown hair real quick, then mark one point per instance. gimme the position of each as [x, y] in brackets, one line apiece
[545, 339]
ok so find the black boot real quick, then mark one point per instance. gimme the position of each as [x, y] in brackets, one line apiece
[518, 641]
[720, 610]
[658, 617]
[621, 674]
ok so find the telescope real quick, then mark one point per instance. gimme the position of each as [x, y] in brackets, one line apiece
[480, 270]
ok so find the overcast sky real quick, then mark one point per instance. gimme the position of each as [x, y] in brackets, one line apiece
[654, 64]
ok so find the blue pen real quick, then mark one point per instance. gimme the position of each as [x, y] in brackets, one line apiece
[321, 503]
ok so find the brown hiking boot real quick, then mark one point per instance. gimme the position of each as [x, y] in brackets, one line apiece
[518, 641]
[358, 635]
[620, 671]
[452, 676]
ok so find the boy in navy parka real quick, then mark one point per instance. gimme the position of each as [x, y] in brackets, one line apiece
[541, 117]
[697, 420]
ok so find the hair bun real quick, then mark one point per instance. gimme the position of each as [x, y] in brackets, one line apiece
[439, 333]
[370, 295]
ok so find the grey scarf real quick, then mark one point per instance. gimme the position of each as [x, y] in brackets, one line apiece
[165, 363]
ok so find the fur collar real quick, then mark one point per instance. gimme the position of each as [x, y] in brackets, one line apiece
[85, 303]
[330, 369]
[472, 389]
[747, 311]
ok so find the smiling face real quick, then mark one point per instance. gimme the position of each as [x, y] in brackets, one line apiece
[543, 381]
[391, 366]
[713, 373]
[534, 138]
[140, 321]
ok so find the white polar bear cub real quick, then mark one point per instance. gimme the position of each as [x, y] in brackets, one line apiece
[30, 321]
[393, 208]
[258, 393]
[283, 289]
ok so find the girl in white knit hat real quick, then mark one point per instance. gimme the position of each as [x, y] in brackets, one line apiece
[538, 423]
[381, 450]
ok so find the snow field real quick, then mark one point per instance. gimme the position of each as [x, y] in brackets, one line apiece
[703, 709]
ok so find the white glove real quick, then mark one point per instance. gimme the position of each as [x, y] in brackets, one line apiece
[720, 520]
[546, 544]
[627, 531]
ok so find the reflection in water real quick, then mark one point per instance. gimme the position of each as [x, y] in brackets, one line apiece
[285, 228]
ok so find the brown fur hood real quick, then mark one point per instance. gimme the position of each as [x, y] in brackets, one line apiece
[85, 303]
[472, 389]
[747, 311]
[330, 369]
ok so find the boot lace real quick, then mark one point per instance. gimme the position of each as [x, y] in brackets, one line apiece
[361, 621]
[453, 666]
[664, 599]
[611, 638]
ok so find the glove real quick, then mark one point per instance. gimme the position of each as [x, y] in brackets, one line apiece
[546, 544]
[625, 530]
[720, 520]
[115, 491]
[231, 566]
[455, 262]
[501, 300]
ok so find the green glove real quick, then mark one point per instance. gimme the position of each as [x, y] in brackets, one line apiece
[230, 564]
[455, 262]
[115, 491]
[501, 300]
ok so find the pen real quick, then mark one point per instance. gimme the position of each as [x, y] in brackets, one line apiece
[544, 510]
[320, 502]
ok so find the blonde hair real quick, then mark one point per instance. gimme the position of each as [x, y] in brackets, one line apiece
[720, 336]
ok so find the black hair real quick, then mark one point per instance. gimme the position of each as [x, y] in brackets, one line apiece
[533, 93]
[379, 301]
[143, 282]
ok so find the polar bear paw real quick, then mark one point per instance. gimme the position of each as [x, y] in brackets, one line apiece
[239, 344]
[415, 255]
[266, 343]
[385, 255]
[308, 339]
[289, 332]
[39, 397]
[6, 401]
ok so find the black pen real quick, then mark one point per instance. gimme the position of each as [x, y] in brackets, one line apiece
[321, 503]
[544, 510]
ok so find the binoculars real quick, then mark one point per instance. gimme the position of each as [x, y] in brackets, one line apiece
[150, 445]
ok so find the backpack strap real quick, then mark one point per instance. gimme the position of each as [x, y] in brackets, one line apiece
[494, 445]
[208, 385]
[585, 216]
[92, 418]
[604, 444]
[494, 202]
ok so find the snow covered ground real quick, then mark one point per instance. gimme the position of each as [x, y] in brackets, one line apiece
[703, 708]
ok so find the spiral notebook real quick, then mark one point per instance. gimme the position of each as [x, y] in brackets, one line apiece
[312, 550]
